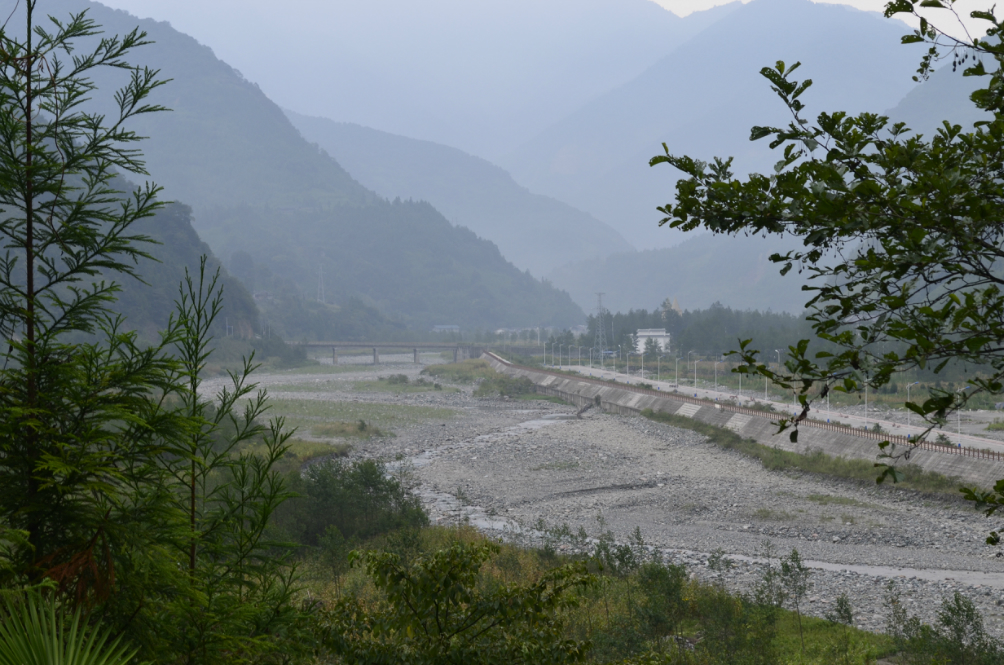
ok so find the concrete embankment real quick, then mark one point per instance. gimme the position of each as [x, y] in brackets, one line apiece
[969, 465]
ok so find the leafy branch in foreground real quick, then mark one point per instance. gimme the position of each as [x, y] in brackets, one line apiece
[903, 236]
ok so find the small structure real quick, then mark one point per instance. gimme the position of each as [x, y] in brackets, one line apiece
[661, 337]
[446, 329]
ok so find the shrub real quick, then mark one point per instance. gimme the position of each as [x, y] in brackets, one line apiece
[357, 499]
[505, 386]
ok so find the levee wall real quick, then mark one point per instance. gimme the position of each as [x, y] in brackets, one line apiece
[974, 467]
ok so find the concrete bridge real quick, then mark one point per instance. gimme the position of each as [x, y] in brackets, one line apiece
[461, 350]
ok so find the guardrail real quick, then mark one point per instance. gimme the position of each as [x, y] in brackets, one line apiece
[964, 451]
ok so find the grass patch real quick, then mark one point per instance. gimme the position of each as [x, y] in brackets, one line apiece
[830, 499]
[398, 387]
[505, 386]
[357, 430]
[301, 451]
[773, 515]
[465, 371]
[814, 461]
[328, 369]
[384, 416]
[996, 426]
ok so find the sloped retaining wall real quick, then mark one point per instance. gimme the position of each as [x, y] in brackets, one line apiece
[745, 422]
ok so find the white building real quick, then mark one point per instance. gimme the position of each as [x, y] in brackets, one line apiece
[661, 337]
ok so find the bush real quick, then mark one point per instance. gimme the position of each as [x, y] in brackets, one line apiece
[505, 386]
[357, 499]
[465, 371]
[397, 379]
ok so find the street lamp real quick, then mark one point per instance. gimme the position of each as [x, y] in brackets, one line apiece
[560, 347]
[908, 409]
[716, 374]
[958, 414]
[695, 368]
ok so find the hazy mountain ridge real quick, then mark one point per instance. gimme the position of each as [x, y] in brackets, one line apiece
[702, 100]
[230, 151]
[479, 76]
[535, 232]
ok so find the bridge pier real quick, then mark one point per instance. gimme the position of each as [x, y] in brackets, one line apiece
[456, 353]
[376, 356]
[334, 355]
[416, 355]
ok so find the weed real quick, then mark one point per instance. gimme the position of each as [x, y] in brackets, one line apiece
[384, 416]
[357, 430]
[768, 514]
[827, 499]
[465, 371]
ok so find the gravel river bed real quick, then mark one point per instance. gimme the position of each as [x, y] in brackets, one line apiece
[505, 465]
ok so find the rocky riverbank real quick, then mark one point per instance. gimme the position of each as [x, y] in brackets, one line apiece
[511, 467]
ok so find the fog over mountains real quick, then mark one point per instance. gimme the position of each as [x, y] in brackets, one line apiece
[479, 76]
[529, 123]
[534, 232]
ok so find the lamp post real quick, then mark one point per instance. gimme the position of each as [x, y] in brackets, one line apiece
[590, 357]
[695, 368]
[677, 382]
[908, 386]
[560, 347]
[642, 366]
[716, 375]
[958, 414]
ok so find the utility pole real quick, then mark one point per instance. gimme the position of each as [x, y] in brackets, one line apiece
[601, 328]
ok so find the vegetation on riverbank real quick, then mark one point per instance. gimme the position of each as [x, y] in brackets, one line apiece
[811, 461]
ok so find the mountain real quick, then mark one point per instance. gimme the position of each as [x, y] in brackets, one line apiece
[256, 186]
[944, 96]
[535, 232]
[480, 76]
[702, 100]
[147, 306]
[702, 270]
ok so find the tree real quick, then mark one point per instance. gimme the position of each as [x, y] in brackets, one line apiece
[903, 235]
[83, 408]
[121, 487]
[438, 611]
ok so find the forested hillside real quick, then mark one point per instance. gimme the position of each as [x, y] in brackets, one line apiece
[535, 232]
[401, 257]
[148, 305]
[230, 153]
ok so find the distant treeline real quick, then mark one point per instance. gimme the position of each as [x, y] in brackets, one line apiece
[708, 332]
